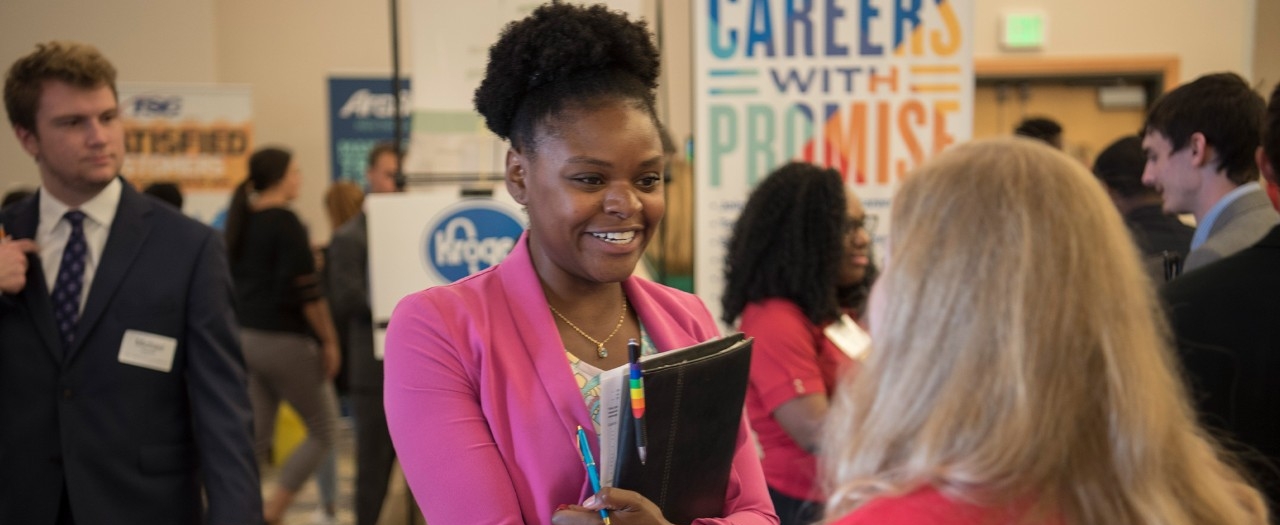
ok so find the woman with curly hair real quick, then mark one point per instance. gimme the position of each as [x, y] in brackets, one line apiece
[796, 266]
[1013, 381]
[488, 378]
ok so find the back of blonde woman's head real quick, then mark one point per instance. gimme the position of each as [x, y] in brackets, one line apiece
[342, 201]
[1020, 355]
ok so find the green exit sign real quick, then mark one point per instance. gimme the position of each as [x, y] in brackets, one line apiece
[1024, 30]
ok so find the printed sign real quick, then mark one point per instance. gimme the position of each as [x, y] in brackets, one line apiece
[869, 88]
[470, 236]
[198, 136]
[194, 135]
[362, 114]
[432, 237]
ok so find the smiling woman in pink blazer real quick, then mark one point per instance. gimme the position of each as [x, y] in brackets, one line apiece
[487, 379]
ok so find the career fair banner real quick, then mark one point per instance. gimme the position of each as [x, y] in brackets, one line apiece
[198, 136]
[423, 239]
[868, 87]
[362, 114]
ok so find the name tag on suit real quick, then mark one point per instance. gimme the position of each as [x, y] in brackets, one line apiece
[148, 350]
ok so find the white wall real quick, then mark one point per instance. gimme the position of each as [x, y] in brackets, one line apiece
[146, 40]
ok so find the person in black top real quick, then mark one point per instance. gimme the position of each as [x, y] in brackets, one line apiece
[282, 314]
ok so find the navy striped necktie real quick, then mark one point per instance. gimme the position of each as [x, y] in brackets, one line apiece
[70, 283]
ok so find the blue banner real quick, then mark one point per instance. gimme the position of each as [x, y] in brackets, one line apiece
[361, 114]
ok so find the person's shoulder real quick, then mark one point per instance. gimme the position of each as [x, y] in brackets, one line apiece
[1245, 271]
[351, 230]
[1251, 215]
[918, 507]
[172, 219]
[472, 291]
[774, 306]
[924, 506]
[454, 308]
[279, 214]
[281, 221]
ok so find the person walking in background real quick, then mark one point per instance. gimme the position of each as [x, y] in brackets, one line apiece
[1200, 140]
[797, 272]
[488, 378]
[348, 271]
[1010, 381]
[341, 202]
[123, 386]
[282, 313]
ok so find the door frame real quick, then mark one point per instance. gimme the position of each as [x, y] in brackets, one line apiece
[1165, 66]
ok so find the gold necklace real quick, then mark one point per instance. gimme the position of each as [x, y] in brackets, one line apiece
[600, 350]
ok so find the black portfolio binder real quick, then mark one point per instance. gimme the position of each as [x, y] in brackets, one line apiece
[693, 408]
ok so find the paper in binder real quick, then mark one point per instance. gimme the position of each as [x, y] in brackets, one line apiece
[693, 408]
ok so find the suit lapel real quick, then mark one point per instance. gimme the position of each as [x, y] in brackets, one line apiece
[35, 296]
[129, 231]
[527, 305]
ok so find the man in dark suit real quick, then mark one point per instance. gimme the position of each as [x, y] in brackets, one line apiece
[1200, 140]
[1227, 320]
[122, 388]
[349, 289]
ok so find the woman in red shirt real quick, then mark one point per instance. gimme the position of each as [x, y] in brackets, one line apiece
[798, 263]
[1022, 372]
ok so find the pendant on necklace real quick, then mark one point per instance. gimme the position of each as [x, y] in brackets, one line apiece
[601, 352]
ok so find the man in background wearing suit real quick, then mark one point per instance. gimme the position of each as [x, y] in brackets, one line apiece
[1227, 320]
[349, 288]
[122, 388]
[1200, 140]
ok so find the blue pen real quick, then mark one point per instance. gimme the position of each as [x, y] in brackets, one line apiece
[585, 449]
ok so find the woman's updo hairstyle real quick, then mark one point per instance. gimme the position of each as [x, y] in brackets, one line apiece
[565, 56]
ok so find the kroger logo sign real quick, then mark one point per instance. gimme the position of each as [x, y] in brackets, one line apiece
[470, 237]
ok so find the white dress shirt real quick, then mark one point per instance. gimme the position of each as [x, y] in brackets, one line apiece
[53, 232]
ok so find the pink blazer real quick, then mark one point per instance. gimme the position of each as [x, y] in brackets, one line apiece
[483, 406]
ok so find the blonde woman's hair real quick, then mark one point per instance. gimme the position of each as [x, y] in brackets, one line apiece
[342, 201]
[1020, 356]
